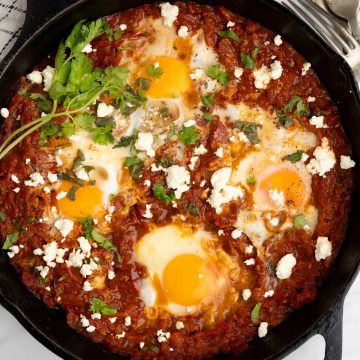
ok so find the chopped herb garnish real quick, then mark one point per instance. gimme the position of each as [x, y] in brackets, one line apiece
[30, 219]
[255, 313]
[165, 162]
[103, 135]
[143, 83]
[154, 72]
[284, 119]
[80, 158]
[208, 117]
[164, 111]
[215, 72]
[300, 221]
[2, 216]
[152, 347]
[301, 107]
[118, 34]
[135, 166]
[188, 135]
[105, 243]
[70, 176]
[207, 100]
[171, 132]
[71, 193]
[229, 34]
[87, 224]
[249, 61]
[160, 193]
[250, 130]
[11, 239]
[295, 157]
[84, 121]
[193, 210]
[251, 180]
[99, 306]
[43, 103]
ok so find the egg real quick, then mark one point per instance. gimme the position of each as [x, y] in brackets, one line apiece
[100, 173]
[187, 271]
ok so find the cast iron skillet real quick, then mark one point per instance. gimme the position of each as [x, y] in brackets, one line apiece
[49, 21]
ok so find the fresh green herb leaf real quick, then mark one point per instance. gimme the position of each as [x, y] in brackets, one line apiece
[2, 216]
[152, 347]
[229, 34]
[68, 129]
[125, 141]
[48, 130]
[143, 83]
[160, 193]
[284, 119]
[43, 103]
[255, 53]
[251, 180]
[255, 313]
[164, 111]
[292, 103]
[193, 209]
[70, 176]
[87, 224]
[165, 162]
[71, 193]
[80, 158]
[135, 166]
[301, 107]
[30, 219]
[103, 135]
[105, 243]
[99, 306]
[188, 135]
[294, 157]
[118, 34]
[250, 130]
[171, 132]
[84, 121]
[300, 221]
[133, 160]
[208, 117]
[249, 61]
[215, 72]
[154, 72]
[10, 240]
[207, 100]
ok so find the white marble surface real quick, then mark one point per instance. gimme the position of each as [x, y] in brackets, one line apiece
[17, 344]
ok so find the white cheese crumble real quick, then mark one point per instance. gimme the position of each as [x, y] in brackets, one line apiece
[85, 245]
[249, 249]
[178, 179]
[277, 197]
[87, 269]
[263, 329]
[148, 214]
[84, 321]
[96, 316]
[141, 345]
[76, 258]
[87, 49]
[52, 177]
[223, 193]
[323, 248]
[87, 286]
[169, 13]
[262, 77]
[123, 27]
[346, 162]
[27, 161]
[35, 77]
[144, 142]
[305, 68]
[4, 112]
[318, 122]
[230, 24]
[277, 40]
[15, 179]
[311, 99]
[16, 190]
[47, 190]
[179, 325]
[127, 321]
[13, 250]
[235, 234]
[246, 294]
[61, 195]
[324, 159]
[65, 226]
[197, 74]
[249, 262]
[189, 123]
[276, 70]
[183, 31]
[44, 270]
[162, 336]
[219, 152]
[200, 150]
[193, 162]
[120, 336]
[113, 320]
[269, 293]
[104, 110]
[221, 232]
[91, 328]
[82, 174]
[284, 266]
[147, 183]
[48, 75]
[111, 275]
[238, 71]
[36, 179]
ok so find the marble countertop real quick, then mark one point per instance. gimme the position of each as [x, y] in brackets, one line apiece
[16, 343]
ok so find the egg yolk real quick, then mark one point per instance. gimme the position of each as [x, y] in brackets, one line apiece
[87, 201]
[187, 279]
[288, 182]
[174, 80]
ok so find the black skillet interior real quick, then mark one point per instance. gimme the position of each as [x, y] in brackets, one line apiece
[324, 316]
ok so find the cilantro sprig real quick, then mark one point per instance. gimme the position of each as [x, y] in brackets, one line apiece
[11, 239]
[160, 193]
[188, 135]
[215, 72]
[100, 306]
[229, 34]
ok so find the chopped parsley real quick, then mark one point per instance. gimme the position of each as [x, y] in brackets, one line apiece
[251, 180]
[294, 157]
[249, 129]
[207, 100]
[143, 83]
[255, 313]
[165, 162]
[249, 61]
[99, 306]
[171, 132]
[2, 216]
[208, 117]
[43, 103]
[300, 221]
[192, 209]
[164, 111]
[87, 224]
[71, 193]
[80, 158]
[284, 120]
[229, 34]
[215, 72]
[11, 239]
[105, 243]
[301, 107]
[188, 135]
[152, 347]
[160, 193]
[154, 72]
[135, 166]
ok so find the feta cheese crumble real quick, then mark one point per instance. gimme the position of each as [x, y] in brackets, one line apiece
[178, 179]
[305, 68]
[200, 150]
[197, 74]
[127, 321]
[263, 329]
[123, 27]
[230, 24]
[162, 336]
[48, 75]
[269, 293]
[183, 31]
[277, 40]
[35, 77]
[346, 162]
[169, 13]
[323, 248]
[246, 294]
[324, 159]
[235, 234]
[238, 71]
[4, 112]
[65, 226]
[318, 122]
[193, 162]
[87, 286]
[284, 266]
[219, 152]
[104, 110]
[277, 197]
[264, 75]
[52, 177]
[179, 325]
[249, 262]
[87, 49]
[147, 214]
[144, 142]
[35, 180]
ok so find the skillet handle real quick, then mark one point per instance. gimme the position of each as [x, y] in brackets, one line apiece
[331, 328]
[37, 13]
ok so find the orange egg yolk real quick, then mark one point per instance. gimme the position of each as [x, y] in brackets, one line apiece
[187, 279]
[288, 182]
[87, 201]
[174, 80]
